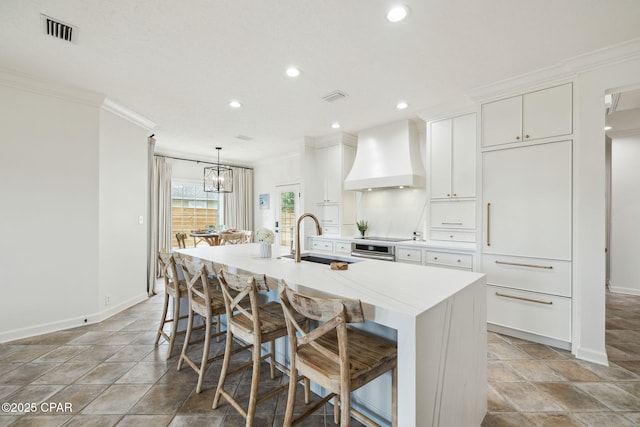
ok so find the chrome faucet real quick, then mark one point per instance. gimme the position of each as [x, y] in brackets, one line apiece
[318, 228]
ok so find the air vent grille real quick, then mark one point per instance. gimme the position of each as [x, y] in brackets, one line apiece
[334, 96]
[59, 30]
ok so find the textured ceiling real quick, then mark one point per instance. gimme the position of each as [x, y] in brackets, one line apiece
[180, 63]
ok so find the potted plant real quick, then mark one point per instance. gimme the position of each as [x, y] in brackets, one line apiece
[362, 227]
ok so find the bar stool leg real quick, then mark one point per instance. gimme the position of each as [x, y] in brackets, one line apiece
[255, 382]
[223, 371]
[187, 339]
[205, 354]
[291, 395]
[163, 321]
[394, 396]
[174, 326]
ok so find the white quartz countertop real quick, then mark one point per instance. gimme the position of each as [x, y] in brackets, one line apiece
[400, 288]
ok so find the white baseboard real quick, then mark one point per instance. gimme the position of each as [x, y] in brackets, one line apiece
[73, 322]
[620, 290]
[588, 355]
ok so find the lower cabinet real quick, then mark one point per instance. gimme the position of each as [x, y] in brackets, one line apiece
[318, 245]
[530, 312]
[409, 255]
[450, 260]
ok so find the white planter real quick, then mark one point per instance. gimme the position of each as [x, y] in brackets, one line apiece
[265, 250]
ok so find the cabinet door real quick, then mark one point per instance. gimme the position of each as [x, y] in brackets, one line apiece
[527, 201]
[547, 112]
[463, 173]
[441, 159]
[332, 167]
[502, 121]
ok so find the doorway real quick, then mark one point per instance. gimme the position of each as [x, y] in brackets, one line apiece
[288, 201]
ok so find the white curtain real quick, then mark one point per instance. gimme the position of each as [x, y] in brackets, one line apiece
[160, 235]
[238, 205]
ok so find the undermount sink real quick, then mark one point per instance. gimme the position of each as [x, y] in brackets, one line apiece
[321, 259]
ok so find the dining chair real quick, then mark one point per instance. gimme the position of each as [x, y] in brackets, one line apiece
[258, 324]
[232, 237]
[248, 236]
[340, 359]
[174, 288]
[182, 240]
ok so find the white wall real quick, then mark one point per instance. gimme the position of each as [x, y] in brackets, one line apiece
[625, 211]
[392, 213]
[123, 190]
[54, 262]
[589, 273]
[49, 182]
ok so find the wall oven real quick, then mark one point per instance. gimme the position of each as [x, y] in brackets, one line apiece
[380, 248]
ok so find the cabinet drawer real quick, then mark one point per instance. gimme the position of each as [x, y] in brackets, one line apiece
[541, 314]
[409, 254]
[342, 247]
[530, 274]
[448, 259]
[453, 214]
[322, 245]
[331, 230]
[454, 236]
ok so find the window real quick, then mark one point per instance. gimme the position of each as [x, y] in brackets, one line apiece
[192, 209]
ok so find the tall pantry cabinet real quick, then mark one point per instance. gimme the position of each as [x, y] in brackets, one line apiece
[527, 214]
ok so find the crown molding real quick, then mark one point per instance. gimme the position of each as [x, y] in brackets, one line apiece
[29, 83]
[127, 114]
[561, 72]
[623, 133]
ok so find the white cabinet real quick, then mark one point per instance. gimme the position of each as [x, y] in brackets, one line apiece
[527, 201]
[452, 184]
[329, 163]
[535, 115]
[449, 260]
[335, 208]
[409, 255]
[453, 157]
[321, 245]
[527, 240]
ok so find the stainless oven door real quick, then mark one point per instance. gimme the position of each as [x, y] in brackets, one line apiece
[382, 256]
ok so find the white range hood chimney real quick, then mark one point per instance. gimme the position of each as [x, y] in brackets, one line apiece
[387, 156]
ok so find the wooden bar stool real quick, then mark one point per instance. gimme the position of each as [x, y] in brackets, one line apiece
[175, 288]
[263, 323]
[207, 302]
[338, 358]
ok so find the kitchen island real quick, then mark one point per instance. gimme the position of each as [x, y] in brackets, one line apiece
[438, 316]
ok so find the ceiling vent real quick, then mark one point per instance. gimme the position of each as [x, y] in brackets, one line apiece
[244, 137]
[334, 96]
[58, 29]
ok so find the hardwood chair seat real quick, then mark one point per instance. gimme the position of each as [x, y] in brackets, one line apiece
[369, 356]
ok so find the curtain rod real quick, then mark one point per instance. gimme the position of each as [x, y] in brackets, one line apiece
[200, 161]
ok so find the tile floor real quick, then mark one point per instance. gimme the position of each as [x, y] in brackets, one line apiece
[112, 374]
[536, 385]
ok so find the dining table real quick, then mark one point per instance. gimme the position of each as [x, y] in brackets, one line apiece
[212, 238]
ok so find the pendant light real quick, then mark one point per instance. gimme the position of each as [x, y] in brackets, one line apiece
[218, 178]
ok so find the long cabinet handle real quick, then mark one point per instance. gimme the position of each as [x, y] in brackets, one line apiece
[451, 223]
[524, 299]
[488, 224]
[519, 264]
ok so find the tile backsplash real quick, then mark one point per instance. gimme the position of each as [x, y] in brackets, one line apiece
[393, 213]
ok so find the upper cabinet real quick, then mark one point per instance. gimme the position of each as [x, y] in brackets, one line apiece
[335, 207]
[531, 116]
[329, 166]
[453, 157]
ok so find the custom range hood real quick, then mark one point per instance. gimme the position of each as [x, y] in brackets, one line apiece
[387, 156]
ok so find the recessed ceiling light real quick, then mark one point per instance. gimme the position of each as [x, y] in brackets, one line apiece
[293, 72]
[235, 104]
[401, 105]
[335, 125]
[608, 127]
[397, 13]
